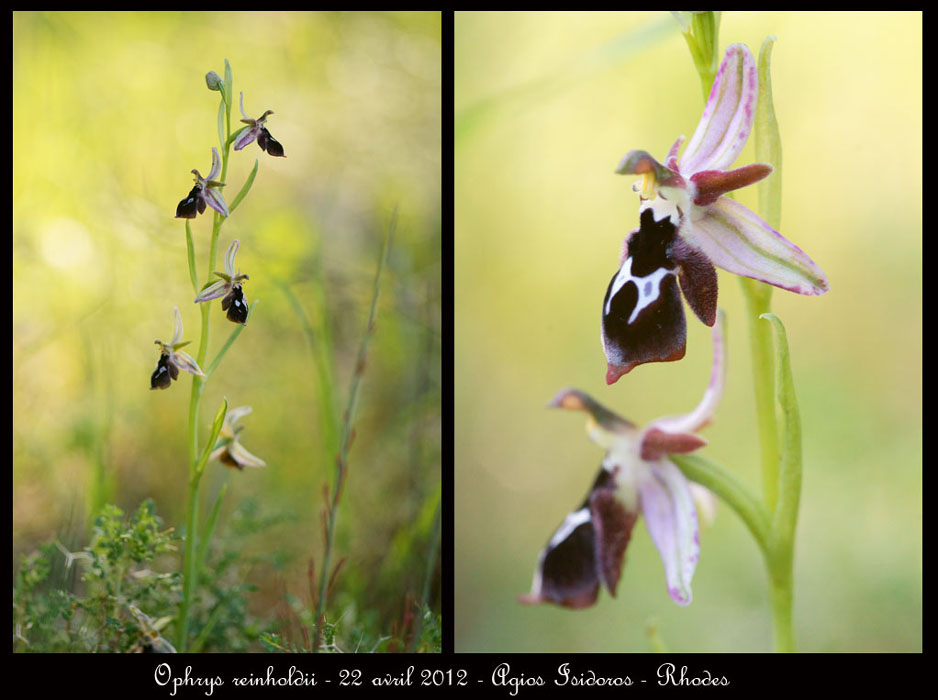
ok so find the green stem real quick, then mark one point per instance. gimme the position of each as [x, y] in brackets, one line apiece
[773, 524]
[189, 567]
[758, 301]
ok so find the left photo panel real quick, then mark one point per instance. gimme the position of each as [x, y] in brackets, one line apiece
[227, 282]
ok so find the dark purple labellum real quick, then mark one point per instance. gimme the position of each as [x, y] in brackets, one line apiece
[587, 549]
[269, 143]
[164, 373]
[643, 320]
[191, 205]
[236, 305]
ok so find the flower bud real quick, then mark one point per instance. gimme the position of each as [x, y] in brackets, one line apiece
[214, 81]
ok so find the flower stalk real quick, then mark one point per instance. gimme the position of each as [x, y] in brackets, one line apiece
[195, 549]
[772, 522]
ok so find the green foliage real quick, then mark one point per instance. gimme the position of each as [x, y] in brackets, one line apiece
[115, 576]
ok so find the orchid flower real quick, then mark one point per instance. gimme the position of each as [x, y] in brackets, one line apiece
[229, 450]
[172, 359]
[636, 477]
[206, 191]
[686, 227]
[257, 129]
[229, 287]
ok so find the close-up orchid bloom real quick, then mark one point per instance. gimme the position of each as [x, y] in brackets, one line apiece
[257, 129]
[229, 450]
[229, 287]
[172, 359]
[206, 191]
[636, 477]
[687, 227]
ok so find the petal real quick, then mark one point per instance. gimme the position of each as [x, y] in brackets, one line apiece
[243, 457]
[230, 257]
[236, 414]
[706, 503]
[643, 319]
[701, 415]
[671, 519]
[213, 291]
[241, 102]
[671, 160]
[213, 198]
[216, 165]
[177, 326]
[698, 280]
[657, 443]
[711, 184]
[727, 118]
[246, 137]
[185, 362]
[612, 525]
[736, 239]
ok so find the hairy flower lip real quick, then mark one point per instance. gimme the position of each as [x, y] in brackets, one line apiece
[636, 477]
[693, 228]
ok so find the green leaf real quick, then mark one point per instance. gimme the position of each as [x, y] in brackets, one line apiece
[210, 443]
[244, 189]
[191, 252]
[768, 141]
[221, 125]
[210, 525]
[786, 513]
[231, 338]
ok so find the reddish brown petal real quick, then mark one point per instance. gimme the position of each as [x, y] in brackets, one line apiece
[613, 528]
[658, 443]
[698, 280]
[713, 183]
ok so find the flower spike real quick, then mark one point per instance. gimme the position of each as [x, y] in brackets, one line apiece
[687, 228]
[636, 477]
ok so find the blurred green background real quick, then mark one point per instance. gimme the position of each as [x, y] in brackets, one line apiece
[111, 112]
[545, 106]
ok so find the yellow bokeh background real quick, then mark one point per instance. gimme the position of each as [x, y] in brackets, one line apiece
[545, 106]
[111, 112]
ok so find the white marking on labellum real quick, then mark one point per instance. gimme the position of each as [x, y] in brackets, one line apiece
[648, 287]
[570, 523]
